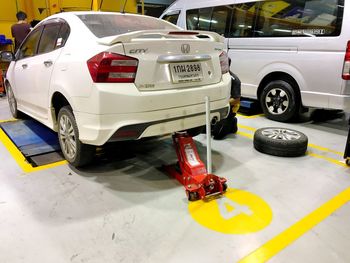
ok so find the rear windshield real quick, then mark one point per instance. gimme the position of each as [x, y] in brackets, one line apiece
[105, 25]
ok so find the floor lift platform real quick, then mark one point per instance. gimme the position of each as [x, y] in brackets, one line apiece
[38, 144]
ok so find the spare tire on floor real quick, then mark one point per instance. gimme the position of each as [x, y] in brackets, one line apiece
[280, 142]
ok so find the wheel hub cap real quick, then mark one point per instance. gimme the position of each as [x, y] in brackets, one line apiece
[281, 134]
[277, 101]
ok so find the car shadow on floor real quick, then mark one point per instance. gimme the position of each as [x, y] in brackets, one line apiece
[137, 166]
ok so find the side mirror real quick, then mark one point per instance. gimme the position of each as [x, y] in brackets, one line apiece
[7, 56]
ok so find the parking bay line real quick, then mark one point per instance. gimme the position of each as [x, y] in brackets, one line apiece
[250, 117]
[19, 157]
[291, 234]
[2, 121]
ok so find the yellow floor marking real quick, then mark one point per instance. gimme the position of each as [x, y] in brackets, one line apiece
[246, 127]
[250, 117]
[236, 212]
[2, 121]
[291, 234]
[331, 160]
[323, 149]
[20, 159]
[248, 135]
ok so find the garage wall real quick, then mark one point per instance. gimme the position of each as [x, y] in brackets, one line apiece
[116, 6]
[8, 12]
[40, 9]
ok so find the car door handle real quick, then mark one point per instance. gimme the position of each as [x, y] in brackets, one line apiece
[48, 63]
[24, 66]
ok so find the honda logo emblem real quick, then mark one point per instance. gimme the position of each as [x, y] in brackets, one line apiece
[185, 48]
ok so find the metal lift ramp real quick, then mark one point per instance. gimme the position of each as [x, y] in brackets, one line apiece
[38, 144]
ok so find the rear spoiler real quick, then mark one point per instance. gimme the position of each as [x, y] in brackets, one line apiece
[128, 37]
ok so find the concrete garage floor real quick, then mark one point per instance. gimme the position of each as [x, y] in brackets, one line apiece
[125, 209]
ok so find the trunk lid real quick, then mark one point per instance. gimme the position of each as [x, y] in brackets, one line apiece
[172, 59]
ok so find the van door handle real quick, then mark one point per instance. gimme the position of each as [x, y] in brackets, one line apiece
[24, 66]
[48, 63]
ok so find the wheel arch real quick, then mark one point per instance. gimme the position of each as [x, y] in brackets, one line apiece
[58, 100]
[7, 83]
[279, 75]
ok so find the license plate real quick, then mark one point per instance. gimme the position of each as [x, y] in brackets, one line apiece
[186, 72]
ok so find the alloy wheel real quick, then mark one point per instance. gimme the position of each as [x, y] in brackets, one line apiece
[281, 134]
[67, 137]
[12, 101]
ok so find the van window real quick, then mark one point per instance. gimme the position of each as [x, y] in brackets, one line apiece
[221, 19]
[172, 17]
[298, 18]
[243, 19]
[199, 19]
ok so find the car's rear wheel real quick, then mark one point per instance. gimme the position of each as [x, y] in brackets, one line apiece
[75, 152]
[12, 102]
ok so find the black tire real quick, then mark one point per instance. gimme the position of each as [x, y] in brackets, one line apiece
[195, 131]
[280, 142]
[12, 102]
[280, 101]
[225, 127]
[76, 153]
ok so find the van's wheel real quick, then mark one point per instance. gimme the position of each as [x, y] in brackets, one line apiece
[12, 102]
[280, 142]
[279, 101]
[75, 152]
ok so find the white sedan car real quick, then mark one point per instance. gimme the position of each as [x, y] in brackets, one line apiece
[96, 77]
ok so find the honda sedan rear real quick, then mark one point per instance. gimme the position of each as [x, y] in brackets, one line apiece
[96, 77]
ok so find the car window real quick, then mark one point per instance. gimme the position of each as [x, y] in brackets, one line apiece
[104, 25]
[63, 35]
[172, 17]
[29, 46]
[48, 38]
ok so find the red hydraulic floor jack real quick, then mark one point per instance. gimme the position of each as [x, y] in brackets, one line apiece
[190, 171]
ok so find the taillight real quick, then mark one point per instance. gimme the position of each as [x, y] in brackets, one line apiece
[225, 67]
[346, 69]
[112, 67]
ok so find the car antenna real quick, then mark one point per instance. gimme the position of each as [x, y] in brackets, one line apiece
[123, 10]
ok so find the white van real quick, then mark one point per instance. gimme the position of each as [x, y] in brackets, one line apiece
[290, 55]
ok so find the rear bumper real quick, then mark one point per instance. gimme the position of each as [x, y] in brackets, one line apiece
[98, 129]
